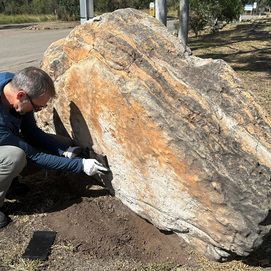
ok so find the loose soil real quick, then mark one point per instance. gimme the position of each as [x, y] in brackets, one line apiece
[94, 229]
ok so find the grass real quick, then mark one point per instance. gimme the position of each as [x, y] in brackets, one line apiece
[25, 18]
[172, 13]
[26, 265]
[159, 267]
[246, 46]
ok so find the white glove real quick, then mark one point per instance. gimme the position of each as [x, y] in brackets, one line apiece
[92, 167]
[72, 152]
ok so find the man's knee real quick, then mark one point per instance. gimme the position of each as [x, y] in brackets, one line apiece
[12, 159]
[12, 162]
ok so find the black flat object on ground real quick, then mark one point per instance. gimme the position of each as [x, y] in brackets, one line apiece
[39, 245]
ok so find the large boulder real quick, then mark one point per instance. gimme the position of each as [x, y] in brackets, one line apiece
[189, 147]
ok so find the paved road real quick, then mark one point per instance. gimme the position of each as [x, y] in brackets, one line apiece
[20, 48]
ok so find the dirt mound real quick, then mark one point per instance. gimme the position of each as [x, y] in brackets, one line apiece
[104, 228]
[95, 231]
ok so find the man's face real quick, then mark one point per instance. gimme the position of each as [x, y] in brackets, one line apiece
[26, 103]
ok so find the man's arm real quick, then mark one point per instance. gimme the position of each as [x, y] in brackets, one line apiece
[37, 158]
[39, 139]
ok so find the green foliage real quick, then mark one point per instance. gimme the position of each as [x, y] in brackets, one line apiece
[104, 5]
[19, 19]
[259, 2]
[111, 5]
[199, 14]
[226, 9]
[69, 10]
[264, 3]
[206, 12]
[66, 9]
[13, 7]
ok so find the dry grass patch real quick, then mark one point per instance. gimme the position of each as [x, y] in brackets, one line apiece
[246, 46]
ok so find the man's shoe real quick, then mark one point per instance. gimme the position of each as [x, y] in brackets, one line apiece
[17, 188]
[3, 220]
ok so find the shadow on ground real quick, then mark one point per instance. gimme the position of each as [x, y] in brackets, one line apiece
[16, 26]
[243, 46]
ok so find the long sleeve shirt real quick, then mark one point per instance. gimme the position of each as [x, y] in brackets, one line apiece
[11, 123]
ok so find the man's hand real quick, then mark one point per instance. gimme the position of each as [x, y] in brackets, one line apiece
[92, 167]
[72, 152]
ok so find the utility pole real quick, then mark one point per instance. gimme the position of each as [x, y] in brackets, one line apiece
[86, 10]
[161, 11]
[183, 21]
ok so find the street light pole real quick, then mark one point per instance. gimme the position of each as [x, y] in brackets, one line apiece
[161, 11]
[86, 10]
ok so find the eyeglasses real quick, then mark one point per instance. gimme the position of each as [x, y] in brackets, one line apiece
[36, 108]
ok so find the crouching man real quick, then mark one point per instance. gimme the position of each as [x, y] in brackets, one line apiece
[22, 94]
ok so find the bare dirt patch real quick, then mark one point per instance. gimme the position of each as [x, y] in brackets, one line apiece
[104, 228]
[92, 227]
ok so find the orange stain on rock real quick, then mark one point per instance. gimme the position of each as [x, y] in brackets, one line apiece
[141, 140]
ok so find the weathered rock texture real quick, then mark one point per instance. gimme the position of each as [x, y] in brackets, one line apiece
[189, 146]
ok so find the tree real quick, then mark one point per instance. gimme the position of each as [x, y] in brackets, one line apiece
[206, 12]
[70, 9]
[199, 15]
[183, 20]
[2, 6]
[138, 4]
[225, 9]
[12, 7]
[264, 3]
[104, 5]
[111, 5]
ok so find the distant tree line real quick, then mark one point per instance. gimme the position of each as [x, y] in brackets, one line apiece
[200, 11]
[66, 9]
[111, 5]
[13, 7]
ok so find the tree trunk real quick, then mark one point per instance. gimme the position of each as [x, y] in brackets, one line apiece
[183, 20]
[161, 11]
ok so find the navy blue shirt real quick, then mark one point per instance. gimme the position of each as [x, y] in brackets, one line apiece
[12, 124]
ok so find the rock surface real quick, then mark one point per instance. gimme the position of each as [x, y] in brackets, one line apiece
[188, 145]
